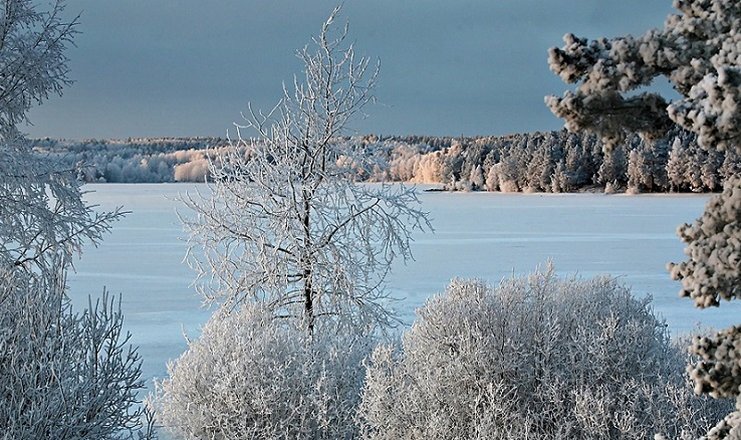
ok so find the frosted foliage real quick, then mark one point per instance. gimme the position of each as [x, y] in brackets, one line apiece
[251, 375]
[728, 429]
[719, 371]
[712, 273]
[63, 375]
[43, 215]
[32, 60]
[40, 205]
[698, 51]
[285, 225]
[534, 357]
[712, 108]
[713, 270]
[719, 374]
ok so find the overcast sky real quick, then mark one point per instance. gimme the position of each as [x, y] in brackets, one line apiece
[454, 67]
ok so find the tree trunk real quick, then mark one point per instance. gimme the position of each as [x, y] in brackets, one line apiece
[306, 265]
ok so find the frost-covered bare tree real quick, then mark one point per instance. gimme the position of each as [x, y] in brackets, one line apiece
[295, 255]
[42, 211]
[284, 224]
[699, 52]
[62, 375]
[33, 63]
[534, 357]
[45, 221]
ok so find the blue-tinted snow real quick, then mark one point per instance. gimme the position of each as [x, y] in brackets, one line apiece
[483, 235]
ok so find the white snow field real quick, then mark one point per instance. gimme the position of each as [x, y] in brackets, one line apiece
[482, 235]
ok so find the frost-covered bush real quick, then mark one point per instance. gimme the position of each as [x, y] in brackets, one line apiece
[251, 375]
[63, 375]
[535, 357]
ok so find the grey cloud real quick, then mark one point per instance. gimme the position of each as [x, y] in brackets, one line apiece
[188, 67]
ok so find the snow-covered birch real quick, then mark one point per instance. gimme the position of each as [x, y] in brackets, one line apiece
[283, 224]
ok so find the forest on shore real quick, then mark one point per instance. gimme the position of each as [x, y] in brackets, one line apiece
[555, 161]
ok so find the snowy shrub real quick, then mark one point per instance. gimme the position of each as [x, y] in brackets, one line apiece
[611, 188]
[63, 375]
[535, 357]
[251, 375]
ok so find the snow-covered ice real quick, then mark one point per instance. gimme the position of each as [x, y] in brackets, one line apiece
[482, 235]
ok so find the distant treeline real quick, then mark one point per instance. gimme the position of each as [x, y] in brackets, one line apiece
[133, 160]
[556, 161]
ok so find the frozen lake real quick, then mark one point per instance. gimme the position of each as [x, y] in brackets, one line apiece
[482, 235]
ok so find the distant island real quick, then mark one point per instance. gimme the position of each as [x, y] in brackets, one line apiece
[556, 161]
